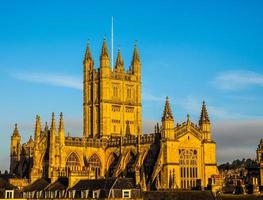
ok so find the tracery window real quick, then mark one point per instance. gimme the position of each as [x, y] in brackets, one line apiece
[73, 162]
[115, 91]
[129, 93]
[188, 167]
[95, 165]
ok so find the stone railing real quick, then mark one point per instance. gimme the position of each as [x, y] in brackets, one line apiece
[109, 142]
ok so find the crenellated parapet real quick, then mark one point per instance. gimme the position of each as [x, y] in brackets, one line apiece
[110, 142]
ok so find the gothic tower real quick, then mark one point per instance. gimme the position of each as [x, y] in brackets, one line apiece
[112, 97]
[15, 149]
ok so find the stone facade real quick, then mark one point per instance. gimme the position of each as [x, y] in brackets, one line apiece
[174, 156]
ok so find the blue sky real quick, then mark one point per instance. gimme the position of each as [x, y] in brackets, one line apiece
[190, 50]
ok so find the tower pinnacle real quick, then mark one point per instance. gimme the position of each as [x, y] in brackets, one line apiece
[61, 123]
[88, 55]
[136, 57]
[119, 62]
[136, 63]
[167, 112]
[53, 122]
[104, 56]
[204, 118]
[104, 49]
[16, 131]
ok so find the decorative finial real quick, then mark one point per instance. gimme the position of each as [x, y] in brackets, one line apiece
[167, 112]
[204, 118]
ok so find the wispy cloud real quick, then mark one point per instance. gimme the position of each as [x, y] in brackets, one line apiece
[235, 80]
[151, 97]
[50, 79]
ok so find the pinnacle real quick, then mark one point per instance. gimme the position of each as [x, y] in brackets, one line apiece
[104, 50]
[204, 118]
[16, 131]
[167, 112]
[136, 56]
[119, 60]
[88, 55]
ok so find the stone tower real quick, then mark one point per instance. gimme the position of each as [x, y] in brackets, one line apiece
[15, 149]
[112, 97]
[260, 161]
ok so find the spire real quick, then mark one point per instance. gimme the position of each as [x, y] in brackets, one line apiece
[61, 133]
[119, 62]
[136, 57]
[37, 128]
[16, 131]
[204, 118]
[87, 62]
[88, 55]
[104, 50]
[104, 56]
[167, 112]
[46, 128]
[136, 63]
[52, 145]
[53, 122]
[61, 123]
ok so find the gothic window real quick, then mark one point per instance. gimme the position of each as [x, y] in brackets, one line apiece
[95, 165]
[73, 162]
[129, 93]
[188, 167]
[115, 91]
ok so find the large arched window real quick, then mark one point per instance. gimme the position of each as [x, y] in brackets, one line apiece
[188, 167]
[95, 165]
[73, 162]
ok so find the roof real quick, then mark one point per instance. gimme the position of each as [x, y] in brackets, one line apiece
[59, 184]
[124, 183]
[4, 184]
[38, 185]
[94, 184]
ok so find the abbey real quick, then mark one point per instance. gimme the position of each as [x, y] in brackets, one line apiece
[175, 155]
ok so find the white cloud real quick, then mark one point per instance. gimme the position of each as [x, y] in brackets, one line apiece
[235, 80]
[68, 81]
[50, 79]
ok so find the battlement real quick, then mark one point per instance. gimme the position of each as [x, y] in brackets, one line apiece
[115, 141]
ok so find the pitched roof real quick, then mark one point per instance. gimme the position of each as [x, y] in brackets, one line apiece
[38, 185]
[94, 184]
[124, 183]
[59, 184]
